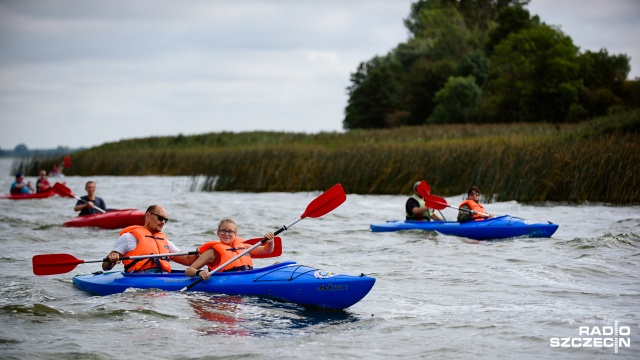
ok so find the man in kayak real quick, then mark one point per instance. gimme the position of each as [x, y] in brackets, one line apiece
[416, 209]
[471, 209]
[149, 239]
[215, 253]
[20, 187]
[89, 202]
[42, 184]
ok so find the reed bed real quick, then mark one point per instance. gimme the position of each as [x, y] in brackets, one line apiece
[596, 162]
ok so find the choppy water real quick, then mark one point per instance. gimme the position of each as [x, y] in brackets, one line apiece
[436, 296]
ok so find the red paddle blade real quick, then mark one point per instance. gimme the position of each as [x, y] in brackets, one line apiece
[435, 202]
[277, 247]
[424, 190]
[67, 161]
[62, 190]
[326, 202]
[51, 264]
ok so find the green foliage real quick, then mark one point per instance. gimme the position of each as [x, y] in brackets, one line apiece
[374, 94]
[604, 79]
[510, 20]
[476, 65]
[536, 75]
[528, 71]
[457, 101]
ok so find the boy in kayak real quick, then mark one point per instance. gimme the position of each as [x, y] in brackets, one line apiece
[149, 239]
[89, 202]
[20, 187]
[416, 209]
[471, 209]
[215, 253]
[42, 184]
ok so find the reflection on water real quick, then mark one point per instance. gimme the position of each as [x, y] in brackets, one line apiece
[259, 317]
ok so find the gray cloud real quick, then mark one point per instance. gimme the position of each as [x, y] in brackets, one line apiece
[81, 73]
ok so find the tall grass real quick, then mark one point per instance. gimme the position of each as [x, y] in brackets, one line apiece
[597, 161]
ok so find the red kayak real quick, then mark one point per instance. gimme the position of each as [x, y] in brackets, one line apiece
[41, 195]
[112, 219]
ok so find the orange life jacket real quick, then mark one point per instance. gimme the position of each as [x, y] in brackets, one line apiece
[148, 244]
[473, 205]
[225, 252]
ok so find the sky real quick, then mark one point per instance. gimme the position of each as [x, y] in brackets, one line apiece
[78, 73]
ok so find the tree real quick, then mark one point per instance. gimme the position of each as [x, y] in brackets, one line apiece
[373, 95]
[457, 101]
[536, 76]
[475, 64]
[21, 150]
[604, 80]
[510, 21]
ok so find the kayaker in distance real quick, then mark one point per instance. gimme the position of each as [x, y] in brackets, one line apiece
[416, 209]
[215, 253]
[42, 184]
[86, 205]
[474, 211]
[149, 239]
[20, 187]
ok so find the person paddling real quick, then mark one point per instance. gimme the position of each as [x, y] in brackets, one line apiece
[215, 253]
[415, 208]
[471, 209]
[90, 202]
[149, 239]
[21, 187]
[42, 184]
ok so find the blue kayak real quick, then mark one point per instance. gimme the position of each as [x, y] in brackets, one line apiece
[501, 227]
[286, 281]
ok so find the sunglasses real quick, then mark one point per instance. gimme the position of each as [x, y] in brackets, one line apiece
[161, 218]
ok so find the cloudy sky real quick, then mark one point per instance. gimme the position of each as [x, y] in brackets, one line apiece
[80, 73]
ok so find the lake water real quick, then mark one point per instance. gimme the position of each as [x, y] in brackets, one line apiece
[436, 296]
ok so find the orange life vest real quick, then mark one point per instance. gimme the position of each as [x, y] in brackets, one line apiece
[148, 244]
[473, 205]
[225, 252]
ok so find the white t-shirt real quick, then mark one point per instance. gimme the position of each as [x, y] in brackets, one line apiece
[127, 242]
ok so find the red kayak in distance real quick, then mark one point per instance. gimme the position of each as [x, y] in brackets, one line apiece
[112, 219]
[41, 195]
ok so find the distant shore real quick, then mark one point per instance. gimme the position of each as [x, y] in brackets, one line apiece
[596, 161]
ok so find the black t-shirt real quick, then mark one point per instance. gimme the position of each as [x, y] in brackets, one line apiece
[88, 211]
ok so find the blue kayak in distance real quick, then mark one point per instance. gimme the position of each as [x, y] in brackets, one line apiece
[286, 281]
[501, 227]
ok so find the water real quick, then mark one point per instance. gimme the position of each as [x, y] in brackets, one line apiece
[436, 296]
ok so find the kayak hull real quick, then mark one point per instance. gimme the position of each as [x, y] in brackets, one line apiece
[285, 281]
[501, 227]
[42, 195]
[112, 219]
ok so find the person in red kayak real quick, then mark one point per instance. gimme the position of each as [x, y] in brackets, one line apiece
[471, 209]
[89, 202]
[215, 253]
[149, 239]
[42, 184]
[21, 187]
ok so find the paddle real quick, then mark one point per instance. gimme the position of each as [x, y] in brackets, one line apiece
[439, 203]
[277, 247]
[51, 264]
[320, 206]
[64, 191]
[423, 189]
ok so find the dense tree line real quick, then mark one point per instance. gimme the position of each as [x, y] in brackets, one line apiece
[485, 61]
